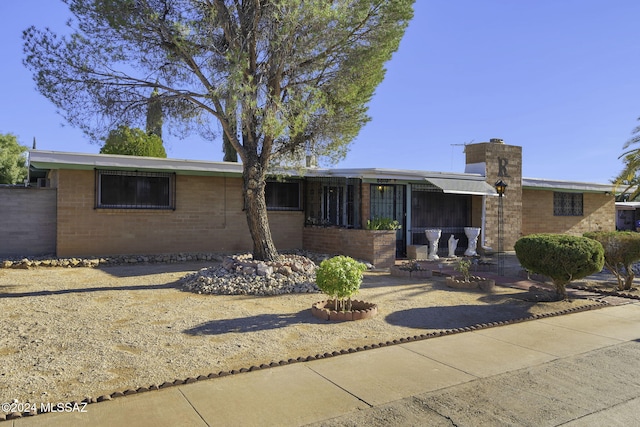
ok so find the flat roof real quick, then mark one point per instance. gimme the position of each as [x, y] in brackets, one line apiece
[462, 183]
[569, 186]
[627, 206]
[40, 159]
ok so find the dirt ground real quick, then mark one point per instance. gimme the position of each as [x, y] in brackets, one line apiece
[72, 333]
[609, 285]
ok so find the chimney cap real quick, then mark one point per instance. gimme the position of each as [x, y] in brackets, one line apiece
[496, 140]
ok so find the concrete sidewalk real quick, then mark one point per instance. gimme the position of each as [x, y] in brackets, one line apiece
[580, 369]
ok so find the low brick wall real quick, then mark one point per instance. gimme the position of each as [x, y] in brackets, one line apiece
[375, 246]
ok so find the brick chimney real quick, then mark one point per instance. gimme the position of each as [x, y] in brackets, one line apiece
[498, 161]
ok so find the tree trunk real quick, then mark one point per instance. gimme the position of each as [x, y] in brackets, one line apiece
[254, 181]
[561, 291]
[615, 269]
[628, 283]
[230, 154]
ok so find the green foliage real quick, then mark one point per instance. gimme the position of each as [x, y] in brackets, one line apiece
[13, 163]
[621, 251]
[133, 142]
[463, 267]
[561, 257]
[154, 114]
[383, 224]
[629, 177]
[282, 79]
[340, 277]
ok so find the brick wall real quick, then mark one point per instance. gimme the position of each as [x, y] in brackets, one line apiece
[208, 218]
[537, 207]
[377, 247]
[28, 225]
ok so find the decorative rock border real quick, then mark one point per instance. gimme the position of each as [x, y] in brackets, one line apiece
[92, 400]
[93, 262]
[615, 293]
[359, 310]
[474, 282]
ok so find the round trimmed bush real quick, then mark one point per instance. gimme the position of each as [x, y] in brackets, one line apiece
[561, 257]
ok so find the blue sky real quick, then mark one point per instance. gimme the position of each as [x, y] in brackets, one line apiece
[561, 78]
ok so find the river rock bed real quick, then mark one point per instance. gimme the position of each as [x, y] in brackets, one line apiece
[94, 262]
[242, 275]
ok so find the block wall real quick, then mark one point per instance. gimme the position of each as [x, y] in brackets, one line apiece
[28, 225]
[208, 218]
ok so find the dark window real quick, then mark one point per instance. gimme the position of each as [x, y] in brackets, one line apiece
[134, 190]
[283, 196]
[567, 204]
[332, 202]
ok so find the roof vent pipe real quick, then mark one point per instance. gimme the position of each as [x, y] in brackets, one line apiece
[312, 161]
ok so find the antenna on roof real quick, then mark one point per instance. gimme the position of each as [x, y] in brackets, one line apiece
[458, 145]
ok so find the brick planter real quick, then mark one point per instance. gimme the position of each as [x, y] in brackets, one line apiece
[359, 310]
[375, 246]
[474, 282]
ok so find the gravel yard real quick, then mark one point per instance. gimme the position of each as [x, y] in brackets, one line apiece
[73, 333]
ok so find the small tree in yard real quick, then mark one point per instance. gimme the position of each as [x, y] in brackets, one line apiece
[621, 250]
[340, 278]
[561, 257]
[13, 161]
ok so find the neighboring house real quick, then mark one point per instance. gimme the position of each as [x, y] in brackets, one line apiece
[111, 204]
[628, 216]
[627, 210]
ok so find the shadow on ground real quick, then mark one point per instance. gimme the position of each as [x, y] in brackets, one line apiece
[260, 322]
[175, 285]
[459, 316]
[141, 269]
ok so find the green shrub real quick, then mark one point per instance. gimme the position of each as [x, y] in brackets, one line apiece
[561, 257]
[340, 278]
[621, 251]
[463, 267]
[383, 224]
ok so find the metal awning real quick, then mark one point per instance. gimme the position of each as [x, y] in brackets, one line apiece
[627, 206]
[463, 186]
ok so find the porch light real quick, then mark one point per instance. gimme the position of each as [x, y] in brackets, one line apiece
[381, 189]
[501, 186]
